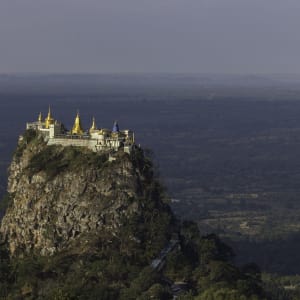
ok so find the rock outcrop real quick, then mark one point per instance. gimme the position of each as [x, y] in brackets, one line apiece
[79, 226]
[62, 195]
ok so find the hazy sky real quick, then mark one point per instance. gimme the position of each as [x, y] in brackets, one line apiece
[216, 36]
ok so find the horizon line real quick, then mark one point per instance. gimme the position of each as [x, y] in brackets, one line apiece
[36, 73]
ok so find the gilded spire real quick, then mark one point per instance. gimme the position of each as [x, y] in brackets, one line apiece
[49, 112]
[77, 127]
[94, 126]
[40, 119]
[49, 120]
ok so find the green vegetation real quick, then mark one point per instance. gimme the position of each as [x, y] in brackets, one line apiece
[109, 271]
[204, 263]
[282, 287]
[55, 159]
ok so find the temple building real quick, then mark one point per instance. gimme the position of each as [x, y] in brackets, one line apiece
[95, 139]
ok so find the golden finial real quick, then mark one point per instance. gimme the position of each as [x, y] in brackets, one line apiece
[77, 119]
[49, 112]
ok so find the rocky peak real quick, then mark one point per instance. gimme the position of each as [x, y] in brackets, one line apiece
[62, 196]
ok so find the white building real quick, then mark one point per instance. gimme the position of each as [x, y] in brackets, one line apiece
[95, 139]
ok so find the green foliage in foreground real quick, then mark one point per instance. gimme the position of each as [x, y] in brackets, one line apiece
[105, 271]
[282, 287]
[204, 264]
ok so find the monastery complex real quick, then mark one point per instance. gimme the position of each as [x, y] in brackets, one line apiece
[95, 139]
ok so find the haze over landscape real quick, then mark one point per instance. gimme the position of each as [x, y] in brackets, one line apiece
[206, 205]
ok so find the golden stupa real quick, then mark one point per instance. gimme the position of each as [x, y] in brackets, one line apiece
[49, 120]
[77, 127]
[94, 126]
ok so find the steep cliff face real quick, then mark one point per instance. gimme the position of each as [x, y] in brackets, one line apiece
[62, 196]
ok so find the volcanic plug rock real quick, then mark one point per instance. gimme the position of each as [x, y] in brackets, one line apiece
[82, 226]
[66, 196]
